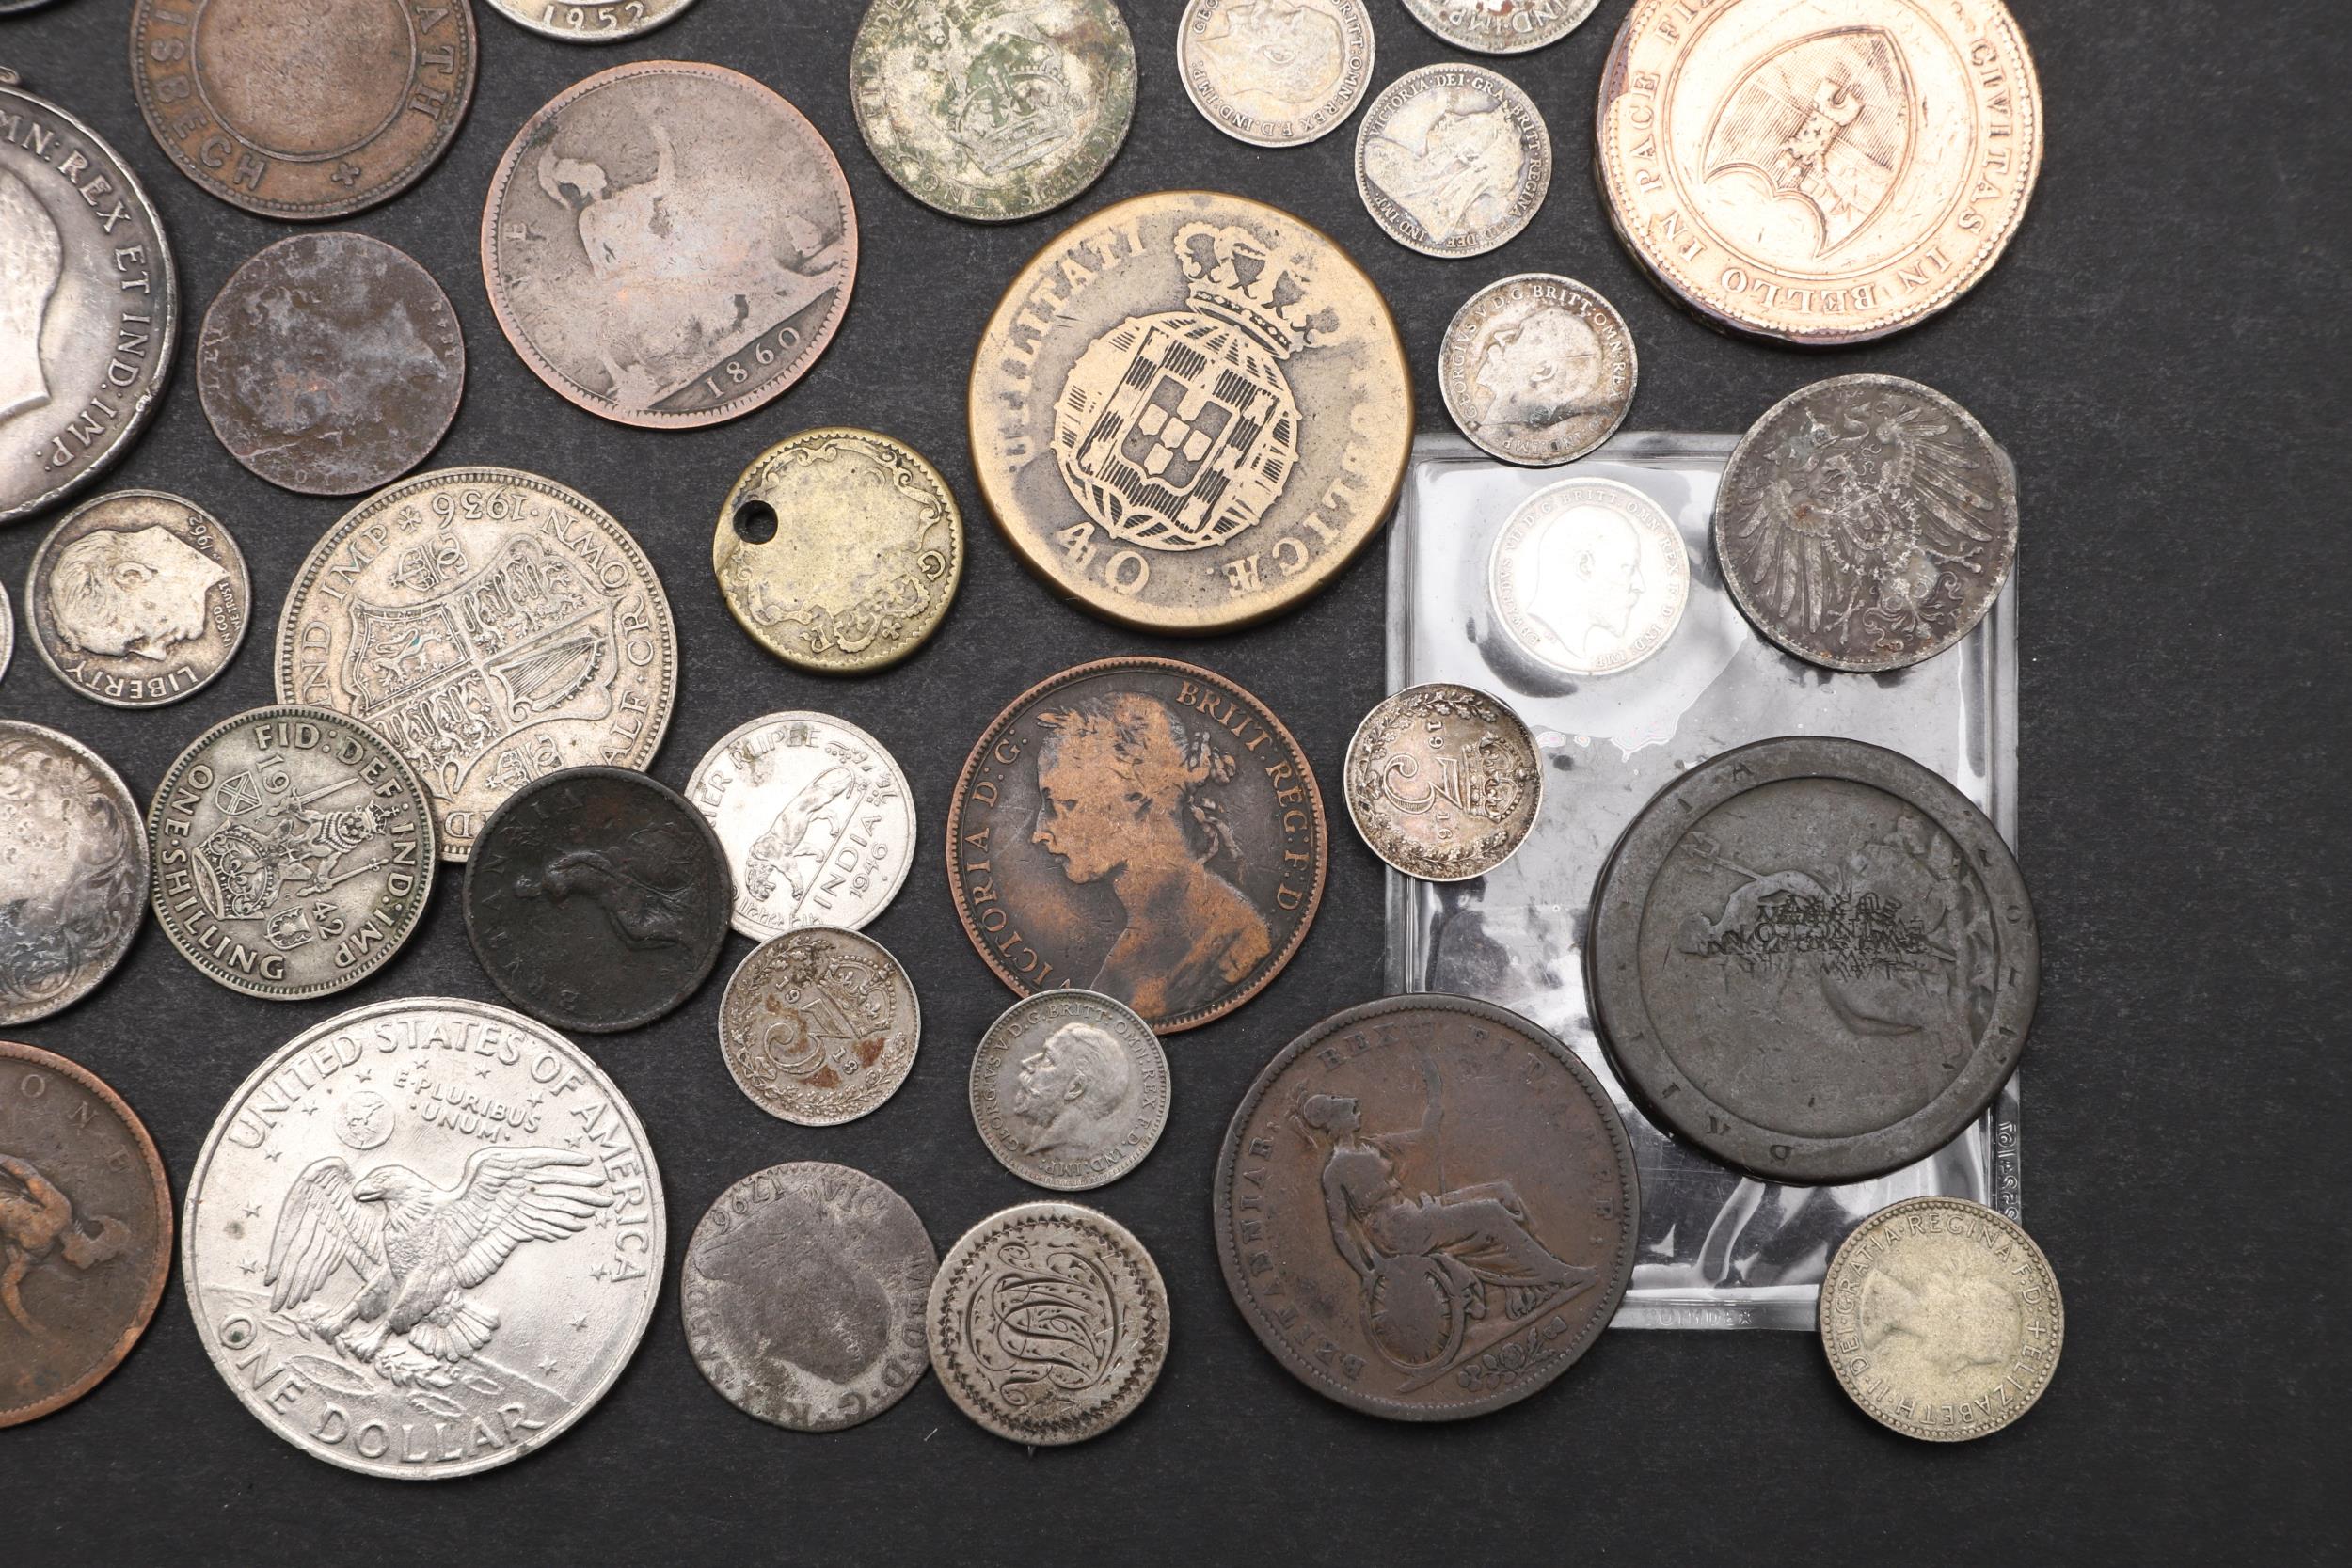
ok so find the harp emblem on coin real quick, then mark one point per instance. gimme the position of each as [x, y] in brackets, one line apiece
[1824, 120]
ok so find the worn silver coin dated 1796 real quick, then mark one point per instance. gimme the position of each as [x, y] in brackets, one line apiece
[424, 1238]
[1538, 369]
[138, 598]
[74, 868]
[1452, 160]
[1500, 26]
[1069, 1090]
[819, 1026]
[1589, 577]
[1444, 782]
[1275, 73]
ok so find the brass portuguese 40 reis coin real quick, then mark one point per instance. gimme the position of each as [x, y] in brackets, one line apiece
[1190, 411]
[1426, 1208]
[1140, 827]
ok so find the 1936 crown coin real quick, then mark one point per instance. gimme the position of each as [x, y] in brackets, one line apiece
[138, 598]
[1275, 73]
[74, 867]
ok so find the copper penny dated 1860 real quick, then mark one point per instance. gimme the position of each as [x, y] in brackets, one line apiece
[1069, 1090]
[304, 109]
[1452, 160]
[1275, 73]
[1444, 782]
[1426, 1208]
[1141, 828]
[138, 598]
[819, 1026]
[1500, 26]
[590, 20]
[85, 1231]
[1538, 369]
[1589, 577]
[1824, 173]
[669, 245]
[1190, 412]
[72, 871]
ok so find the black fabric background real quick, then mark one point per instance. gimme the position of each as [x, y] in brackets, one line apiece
[2162, 352]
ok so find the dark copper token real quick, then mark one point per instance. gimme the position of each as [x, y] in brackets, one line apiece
[1426, 1208]
[1141, 828]
[597, 898]
[85, 1231]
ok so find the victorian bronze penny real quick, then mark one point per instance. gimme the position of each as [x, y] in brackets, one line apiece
[1444, 782]
[138, 598]
[303, 109]
[72, 871]
[1426, 1208]
[85, 1231]
[1140, 827]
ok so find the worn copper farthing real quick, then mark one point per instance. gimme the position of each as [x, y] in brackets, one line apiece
[72, 871]
[1189, 412]
[1140, 827]
[138, 598]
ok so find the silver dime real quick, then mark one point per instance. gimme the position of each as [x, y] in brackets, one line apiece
[1500, 26]
[1538, 369]
[804, 1288]
[819, 1026]
[72, 871]
[293, 851]
[816, 820]
[138, 598]
[424, 1238]
[1069, 1090]
[1048, 1322]
[1275, 73]
[1452, 160]
[1589, 577]
[590, 20]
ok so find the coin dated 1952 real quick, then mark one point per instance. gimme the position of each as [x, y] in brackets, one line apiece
[85, 1229]
[1500, 26]
[1867, 523]
[1942, 1319]
[1452, 160]
[72, 871]
[89, 304]
[1275, 73]
[138, 598]
[424, 1238]
[819, 1026]
[669, 245]
[590, 20]
[304, 109]
[292, 852]
[993, 109]
[494, 626]
[1048, 1322]
[1589, 577]
[804, 1294]
[1538, 369]
[1190, 412]
[1444, 782]
[1069, 1090]
[1824, 173]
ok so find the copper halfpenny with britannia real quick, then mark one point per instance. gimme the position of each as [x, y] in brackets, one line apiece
[1140, 827]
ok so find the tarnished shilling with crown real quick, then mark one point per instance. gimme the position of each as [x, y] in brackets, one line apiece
[1224, 401]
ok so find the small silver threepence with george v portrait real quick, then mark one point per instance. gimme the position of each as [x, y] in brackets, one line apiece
[1069, 1090]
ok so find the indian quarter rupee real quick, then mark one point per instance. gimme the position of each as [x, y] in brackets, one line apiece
[1500, 26]
[424, 1238]
[1444, 782]
[1275, 73]
[1069, 1090]
[74, 868]
[138, 598]
[1538, 369]
[819, 1026]
[590, 20]
[1588, 577]
[1452, 160]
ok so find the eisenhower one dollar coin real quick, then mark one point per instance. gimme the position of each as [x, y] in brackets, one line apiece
[1589, 577]
[1069, 1090]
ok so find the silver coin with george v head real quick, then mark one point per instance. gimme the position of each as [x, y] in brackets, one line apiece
[1538, 369]
[424, 1238]
[819, 1026]
[73, 870]
[1452, 160]
[804, 1293]
[1500, 26]
[1275, 73]
[590, 20]
[1069, 1090]
[139, 598]
[1588, 577]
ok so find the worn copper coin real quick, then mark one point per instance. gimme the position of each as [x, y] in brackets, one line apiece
[1867, 523]
[1589, 577]
[1275, 73]
[1141, 828]
[1822, 174]
[669, 245]
[1069, 1090]
[1500, 26]
[590, 20]
[1452, 160]
[303, 109]
[839, 551]
[993, 109]
[85, 1231]
[331, 363]
[1426, 1208]
[1190, 412]
[1814, 960]
[1538, 369]
[1942, 1319]
[72, 871]
[89, 304]
[819, 1026]
[597, 900]
[1444, 782]
[138, 598]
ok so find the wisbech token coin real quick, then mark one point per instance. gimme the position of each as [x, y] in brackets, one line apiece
[292, 851]
[597, 900]
[1942, 1319]
[1589, 577]
[138, 598]
[381, 87]
[1141, 828]
[993, 109]
[1867, 523]
[331, 363]
[74, 867]
[815, 818]
[1426, 1208]
[1538, 369]
[590, 20]
[85, 1231]
[819, 1026]
[1069, 1090]
[424, 1238]
[1190, 412]
[1452, 160]
[494, 626]
[1444, 782]
[839, 551]
[1814, 960]
[89, 304]
[1275, 73]
[1825, 173]
[804, 1290]
[669, 245]
[1048, 1322]
[1500, 26]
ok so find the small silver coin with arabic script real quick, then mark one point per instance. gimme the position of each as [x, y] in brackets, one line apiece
[1452, 160]
[1443, 782]
[1069, 1090]
[1537, 369]
[819, 1026]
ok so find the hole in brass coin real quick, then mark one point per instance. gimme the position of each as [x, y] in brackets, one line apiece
[754, 522]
